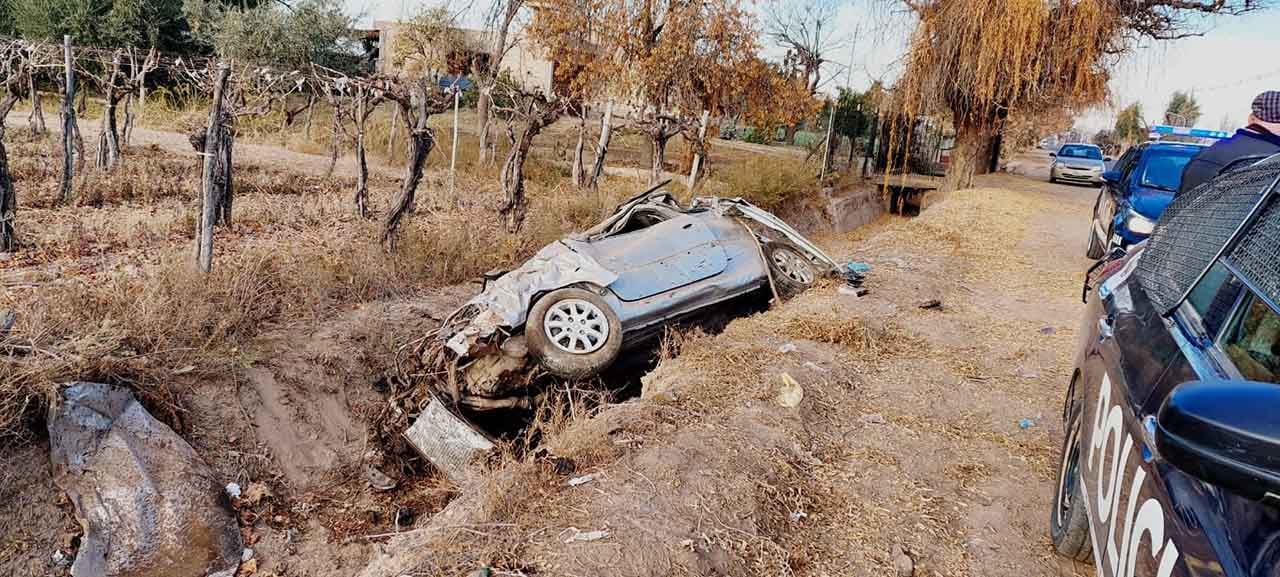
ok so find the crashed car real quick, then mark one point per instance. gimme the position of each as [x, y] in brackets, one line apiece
[580, 301]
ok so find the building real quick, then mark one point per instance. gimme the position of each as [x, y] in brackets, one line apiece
[524, 61]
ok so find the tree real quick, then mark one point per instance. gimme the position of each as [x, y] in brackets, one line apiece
[852, 117]
[498, 22]
[296, 34]
[676, 59]
[806, 31]
[1182, 110]
[104, 23]
[981, 59]
[1130, 127]
[15, 58]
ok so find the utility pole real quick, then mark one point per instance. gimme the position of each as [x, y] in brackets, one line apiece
[453, 159]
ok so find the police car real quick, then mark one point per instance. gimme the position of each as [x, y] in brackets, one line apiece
[1170, 464]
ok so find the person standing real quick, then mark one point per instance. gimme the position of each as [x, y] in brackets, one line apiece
[1260, 138]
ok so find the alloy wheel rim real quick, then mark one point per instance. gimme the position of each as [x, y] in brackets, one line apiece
[793, 266]
[576, 326]
[1067, 474]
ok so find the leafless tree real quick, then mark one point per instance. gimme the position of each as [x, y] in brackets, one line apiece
[138, 80]
[528, 113]
[498, 22]
[416, 100]
[806, 30]
[16, 60]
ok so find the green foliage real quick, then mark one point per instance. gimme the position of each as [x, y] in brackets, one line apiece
[1183, 110]
[107, 23]
[312, 31]
[1130, 127]
[853, 114]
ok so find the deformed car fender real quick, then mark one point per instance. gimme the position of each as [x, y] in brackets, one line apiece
[506, 301]
[742, 208]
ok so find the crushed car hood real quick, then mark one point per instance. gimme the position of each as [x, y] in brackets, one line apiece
[505, 301]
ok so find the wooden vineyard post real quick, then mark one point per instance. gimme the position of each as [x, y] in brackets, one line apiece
[453, 158]
[697, 159]
[210, 192]
[606, 132]
[69, 129]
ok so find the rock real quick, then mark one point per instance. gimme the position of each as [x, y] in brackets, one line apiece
[7, 320]
[903, 564]
[787, 348]
[873, 419]
[149, 504]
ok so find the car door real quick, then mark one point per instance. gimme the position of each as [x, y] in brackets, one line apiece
[659, 258]
[1133, 350]
[1234, 334]
[1104, 209]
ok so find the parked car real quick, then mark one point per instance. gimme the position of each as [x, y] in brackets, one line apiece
[1170, 463]
[1135, 193]
[1079, 163]
[581, 300]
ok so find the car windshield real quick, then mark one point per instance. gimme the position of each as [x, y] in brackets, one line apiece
[1163, 168]
[1089, 152]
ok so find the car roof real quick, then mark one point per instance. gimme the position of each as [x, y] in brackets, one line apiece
[1083, 144]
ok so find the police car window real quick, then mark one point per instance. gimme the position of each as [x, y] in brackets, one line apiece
[1253, 341]
[1215, 297]
[1164, 170]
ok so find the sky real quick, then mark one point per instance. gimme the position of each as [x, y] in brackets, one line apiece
[1225, 68]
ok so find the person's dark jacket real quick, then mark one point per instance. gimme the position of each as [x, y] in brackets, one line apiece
[1252, 140]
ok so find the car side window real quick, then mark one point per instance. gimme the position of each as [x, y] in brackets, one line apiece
[1214, 298]
[1253, 341]
[1126, 164]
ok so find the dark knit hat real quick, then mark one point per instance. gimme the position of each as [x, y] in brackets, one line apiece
[1267, 106]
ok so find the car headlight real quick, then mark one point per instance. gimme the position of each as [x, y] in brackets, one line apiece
[1138, 224]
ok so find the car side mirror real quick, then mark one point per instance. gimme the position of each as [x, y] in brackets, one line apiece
[1053, 155]
[1224, 433]
[1111, 177]
[1107, 159]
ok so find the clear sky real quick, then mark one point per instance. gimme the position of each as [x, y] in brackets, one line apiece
[1225, 68]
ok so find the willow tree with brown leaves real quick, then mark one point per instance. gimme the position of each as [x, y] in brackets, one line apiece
[980, 60]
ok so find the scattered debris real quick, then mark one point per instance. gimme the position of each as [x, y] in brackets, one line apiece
[378, 480]
[848, 290]
[184, 370]
[931, 304]
[790, 393]
[446, 441]
[1048, 330]
[576, 535]
[233, 490]
[254, 494]
[147, 501]
[902, 562]
[815, 367]
[249, 567]
[7, 320]
[60, 560]
[405, 517]
[481, 572]
[1026, 424]
[874, 419]
[860, 268]
[798, 516]
[246, 555]
[583, 480]
[787, 348]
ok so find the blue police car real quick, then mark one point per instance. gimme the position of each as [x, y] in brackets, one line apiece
[1170, 464]
[1135, 192]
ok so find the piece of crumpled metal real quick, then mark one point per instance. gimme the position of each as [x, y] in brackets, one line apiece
[505, 302]
[743, 208]
[149, 504]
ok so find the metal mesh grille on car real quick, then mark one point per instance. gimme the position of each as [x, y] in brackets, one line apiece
[1199, 223]
[1257, 257]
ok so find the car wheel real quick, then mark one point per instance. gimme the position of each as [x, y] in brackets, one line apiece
[573, 333]
[792, 271]
[1069, 520]
[1096, 248]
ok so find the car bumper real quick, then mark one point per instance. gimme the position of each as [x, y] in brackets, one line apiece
[1085, 176]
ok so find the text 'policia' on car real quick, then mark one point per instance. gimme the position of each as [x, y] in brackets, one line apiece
[1171, 459]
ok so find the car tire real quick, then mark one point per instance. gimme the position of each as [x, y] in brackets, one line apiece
[573, 333]
[1069, 519]
[1097, 248]
[791, 270]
